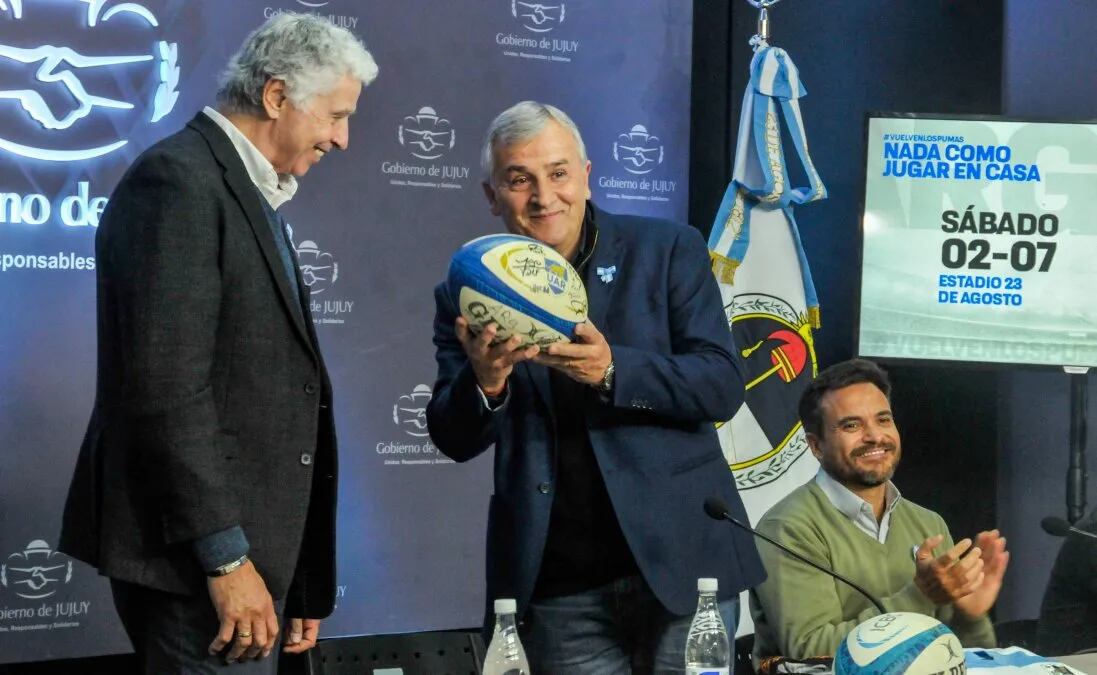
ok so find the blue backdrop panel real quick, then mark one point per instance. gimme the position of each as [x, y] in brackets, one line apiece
[86, 85]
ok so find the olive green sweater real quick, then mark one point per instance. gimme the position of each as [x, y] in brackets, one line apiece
[800, 612]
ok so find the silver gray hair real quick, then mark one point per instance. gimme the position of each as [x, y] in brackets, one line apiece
[521, 122]
[308, 53]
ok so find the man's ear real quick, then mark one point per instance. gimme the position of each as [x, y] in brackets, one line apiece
[274, 97]
[813, 443]
[493, 200]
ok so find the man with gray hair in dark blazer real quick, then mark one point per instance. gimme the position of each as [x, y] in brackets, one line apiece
[205, 487]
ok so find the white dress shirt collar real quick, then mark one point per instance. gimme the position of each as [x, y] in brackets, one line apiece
[859, 511]
[277, 188]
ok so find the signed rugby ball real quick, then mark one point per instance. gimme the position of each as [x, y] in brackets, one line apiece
[520, 284]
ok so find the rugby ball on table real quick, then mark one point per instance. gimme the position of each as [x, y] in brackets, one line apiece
[522, 285]
[900, 642]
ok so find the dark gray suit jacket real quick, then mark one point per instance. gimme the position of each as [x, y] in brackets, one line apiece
[213, 405]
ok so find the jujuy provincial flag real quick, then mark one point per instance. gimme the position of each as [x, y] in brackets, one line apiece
[768, 294]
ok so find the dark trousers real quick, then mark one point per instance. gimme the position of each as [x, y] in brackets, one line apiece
[171, 633]
[616, 629]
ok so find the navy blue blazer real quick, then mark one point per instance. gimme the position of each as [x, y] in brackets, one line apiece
[677, 372]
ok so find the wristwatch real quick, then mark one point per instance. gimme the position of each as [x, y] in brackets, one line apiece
[606, 385]
[228, 568]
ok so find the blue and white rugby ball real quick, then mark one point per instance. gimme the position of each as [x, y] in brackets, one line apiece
[900, 642]
[524, 286]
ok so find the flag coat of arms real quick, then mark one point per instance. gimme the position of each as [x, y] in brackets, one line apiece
[766, 286]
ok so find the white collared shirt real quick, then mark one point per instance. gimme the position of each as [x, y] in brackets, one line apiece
[277, 188]
[859, 511]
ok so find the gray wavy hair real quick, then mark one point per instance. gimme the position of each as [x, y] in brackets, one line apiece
[521, 122]
[310, 54]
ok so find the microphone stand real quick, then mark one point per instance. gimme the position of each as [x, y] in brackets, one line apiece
[829, 572]
[1076, 472]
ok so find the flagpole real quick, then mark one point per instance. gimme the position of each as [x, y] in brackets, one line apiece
[761, 38]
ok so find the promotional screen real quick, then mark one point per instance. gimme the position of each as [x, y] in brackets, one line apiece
[980, 238]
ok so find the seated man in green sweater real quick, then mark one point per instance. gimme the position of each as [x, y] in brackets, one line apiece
[851, 518]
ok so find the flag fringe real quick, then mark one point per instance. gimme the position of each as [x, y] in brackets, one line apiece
[724, 268]
[814, 317]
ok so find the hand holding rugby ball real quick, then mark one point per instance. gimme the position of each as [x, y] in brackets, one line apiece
[523, 286]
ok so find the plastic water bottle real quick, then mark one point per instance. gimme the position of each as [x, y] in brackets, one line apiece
[505, 655]
[707, 649]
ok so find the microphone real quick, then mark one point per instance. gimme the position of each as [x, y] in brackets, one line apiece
[1057, 527]
[718, 510]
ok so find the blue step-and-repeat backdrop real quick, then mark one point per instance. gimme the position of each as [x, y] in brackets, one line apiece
[86, 85]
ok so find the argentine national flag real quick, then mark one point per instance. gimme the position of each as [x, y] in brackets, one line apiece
[766, 287]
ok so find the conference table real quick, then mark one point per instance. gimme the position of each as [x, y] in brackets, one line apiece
[1087, 663]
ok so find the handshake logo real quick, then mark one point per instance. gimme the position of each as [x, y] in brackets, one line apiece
[426, 134]
[61, 115]
[318, 268]
[537, 17]
[410, 411]
[638, 151]
[35, 572]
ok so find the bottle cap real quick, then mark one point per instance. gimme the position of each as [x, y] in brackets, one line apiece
[707, 585]
[506, 606]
